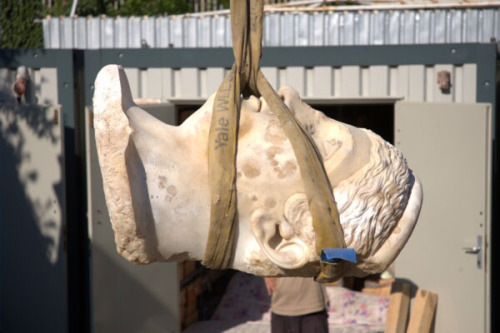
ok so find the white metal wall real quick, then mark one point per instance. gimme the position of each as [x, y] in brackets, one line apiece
[409, 82]
[294, 28]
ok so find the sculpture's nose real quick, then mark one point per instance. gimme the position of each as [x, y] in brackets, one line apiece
[251, 104]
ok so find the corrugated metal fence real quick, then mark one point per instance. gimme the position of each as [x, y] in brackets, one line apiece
[294, 28]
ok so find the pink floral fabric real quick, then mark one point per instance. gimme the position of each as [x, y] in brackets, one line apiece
[347, 307]
[246, 300]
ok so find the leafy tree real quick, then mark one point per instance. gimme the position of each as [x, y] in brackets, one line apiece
[18, 26]
[84, 8]
[20, 20]
[125, 8]
[94, 7]
[153, 7]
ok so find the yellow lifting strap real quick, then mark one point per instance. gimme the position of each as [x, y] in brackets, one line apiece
[246, 78]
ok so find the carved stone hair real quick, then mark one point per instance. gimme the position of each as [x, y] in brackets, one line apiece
[370, 202]
[374, 199]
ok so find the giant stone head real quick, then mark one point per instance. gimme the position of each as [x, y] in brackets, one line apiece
[157, 188]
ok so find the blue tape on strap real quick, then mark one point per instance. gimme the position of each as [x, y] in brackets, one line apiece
[335, 255]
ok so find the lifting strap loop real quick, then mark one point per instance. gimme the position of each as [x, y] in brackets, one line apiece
[246, 78]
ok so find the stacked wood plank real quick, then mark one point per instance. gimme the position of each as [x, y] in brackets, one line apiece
[190, 291]
[399, 318]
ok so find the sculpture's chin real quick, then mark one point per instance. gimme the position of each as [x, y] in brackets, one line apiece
[390, 249]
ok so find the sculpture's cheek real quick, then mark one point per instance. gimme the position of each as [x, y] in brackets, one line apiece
[166, 190]
[172, 190]
[328, 147]
[246, 124]
[272, 151]
[162, 180]
[270, 203]
[251, 169]
[273, 133]
[286, 169]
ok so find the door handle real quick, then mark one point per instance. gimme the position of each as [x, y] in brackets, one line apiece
[472, 250]
[477, 251]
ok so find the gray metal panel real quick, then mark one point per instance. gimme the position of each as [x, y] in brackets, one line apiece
[54, 32]
[134, 81]
[151, 83]
[213, 80]
[107, 32]
[379, 81]
[468, 83]
[148, 28]
[66, 33]
[205, 33]
[47, 35]
[167, 82]
[479, 84]
[449, 148]
[79, 30]
[162, 37]
[417, 85]
[410, 82]
[271, 74]
[135, 33]
[350, 84]
[7, 79]
[323, 28]
[176, 32]
[93, 33]
[191, 32]
[33, 252]
[46, 86]
[322, 81]
[483, 56]
[121, 28]
[126, 297]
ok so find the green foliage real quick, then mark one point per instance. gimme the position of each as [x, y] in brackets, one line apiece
[225, 3]
[84, 8]
[152, 7]
[127, 8]
[94, 7]
[20, 20]
[18, 28]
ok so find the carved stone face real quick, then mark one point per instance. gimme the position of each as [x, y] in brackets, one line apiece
[157, 192]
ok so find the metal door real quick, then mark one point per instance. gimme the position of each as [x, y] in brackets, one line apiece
[448, 147]
[126, 297]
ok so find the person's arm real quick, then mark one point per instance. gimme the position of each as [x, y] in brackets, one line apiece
[270, 285]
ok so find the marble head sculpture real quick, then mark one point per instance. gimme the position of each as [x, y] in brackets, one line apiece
[157, 188]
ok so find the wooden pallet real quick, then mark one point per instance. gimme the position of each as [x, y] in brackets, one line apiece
[422, 313]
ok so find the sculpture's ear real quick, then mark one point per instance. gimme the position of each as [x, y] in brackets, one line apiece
[278, 241]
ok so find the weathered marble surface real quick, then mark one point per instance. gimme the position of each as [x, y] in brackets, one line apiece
[156, 185]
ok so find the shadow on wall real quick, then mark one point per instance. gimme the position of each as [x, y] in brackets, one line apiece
[126, 298]
[32, 258]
